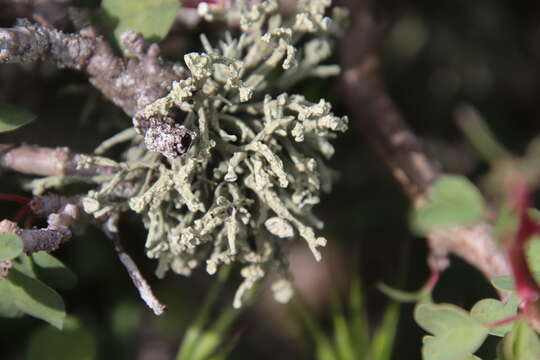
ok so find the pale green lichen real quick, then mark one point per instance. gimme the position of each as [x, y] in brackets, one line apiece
[249, 181]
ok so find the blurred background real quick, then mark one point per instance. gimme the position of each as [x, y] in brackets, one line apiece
[434, 56]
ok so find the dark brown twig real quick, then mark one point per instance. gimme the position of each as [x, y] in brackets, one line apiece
[382, 124]
[130, 83]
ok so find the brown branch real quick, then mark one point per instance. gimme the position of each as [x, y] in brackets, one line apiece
[130, 82]
[62, 213]
[384, 127]
[42, 161]
[66, 213]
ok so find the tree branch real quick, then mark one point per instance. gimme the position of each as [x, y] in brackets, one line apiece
[62, 213]
[384, 127]
[42, 161]
[130, 83]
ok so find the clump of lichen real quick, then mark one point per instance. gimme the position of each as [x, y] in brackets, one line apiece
[257, 165]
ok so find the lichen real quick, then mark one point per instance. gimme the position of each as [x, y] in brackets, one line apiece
[247, 183]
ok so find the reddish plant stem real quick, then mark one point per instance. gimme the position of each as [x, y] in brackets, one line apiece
[527, 289]
[432, 280]
[505, 321]
[21, 213]
[14, 197]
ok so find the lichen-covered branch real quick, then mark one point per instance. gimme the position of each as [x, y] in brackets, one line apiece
[62, 214]
[257, 160]
[130, 83]
[43, 161]
[384, 127]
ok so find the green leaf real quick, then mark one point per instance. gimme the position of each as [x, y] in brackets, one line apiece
[210, 339]
[13, 117]
[53, 271]
[11, 246]
[194, 332]
[506, 282]
[404, 296]
[384, 337]
[152, 18]
[74, 342]
[25, 265]
[342, 336]
[359, 322]
[456, 333]
[35, 298]
[323, 345]
[521, 343]
[8, 308]
[490, 310]
[453, 201]
[503, 282]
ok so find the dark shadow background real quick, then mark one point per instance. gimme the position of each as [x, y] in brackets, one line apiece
[435, 55]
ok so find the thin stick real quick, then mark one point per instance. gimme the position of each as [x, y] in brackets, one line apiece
[145, 291]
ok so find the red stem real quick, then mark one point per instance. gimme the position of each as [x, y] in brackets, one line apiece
[21, 213]
[526, 287]
[505, 321]
[433, 280]
[13, 197]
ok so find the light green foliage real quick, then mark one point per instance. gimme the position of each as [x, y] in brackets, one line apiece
[424, 294]
[53, 271]
[8, 308]
[11, 246]
[258, 164]
[351, 339]
[205, 340]
[152, 18]
[13, 117]
[521, 343]
[456, 334]
[452, 201]
[491, 310]
[33, 297]
[74, 341]
[21, 292]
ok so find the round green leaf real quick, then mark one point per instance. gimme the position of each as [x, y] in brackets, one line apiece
[452, 201]
[456, 334]
[152, 18]
[11, 246]
[73, 342]
[490, 310]
[35, 298]
[52, 271]
[13, 117]
[503, 282]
